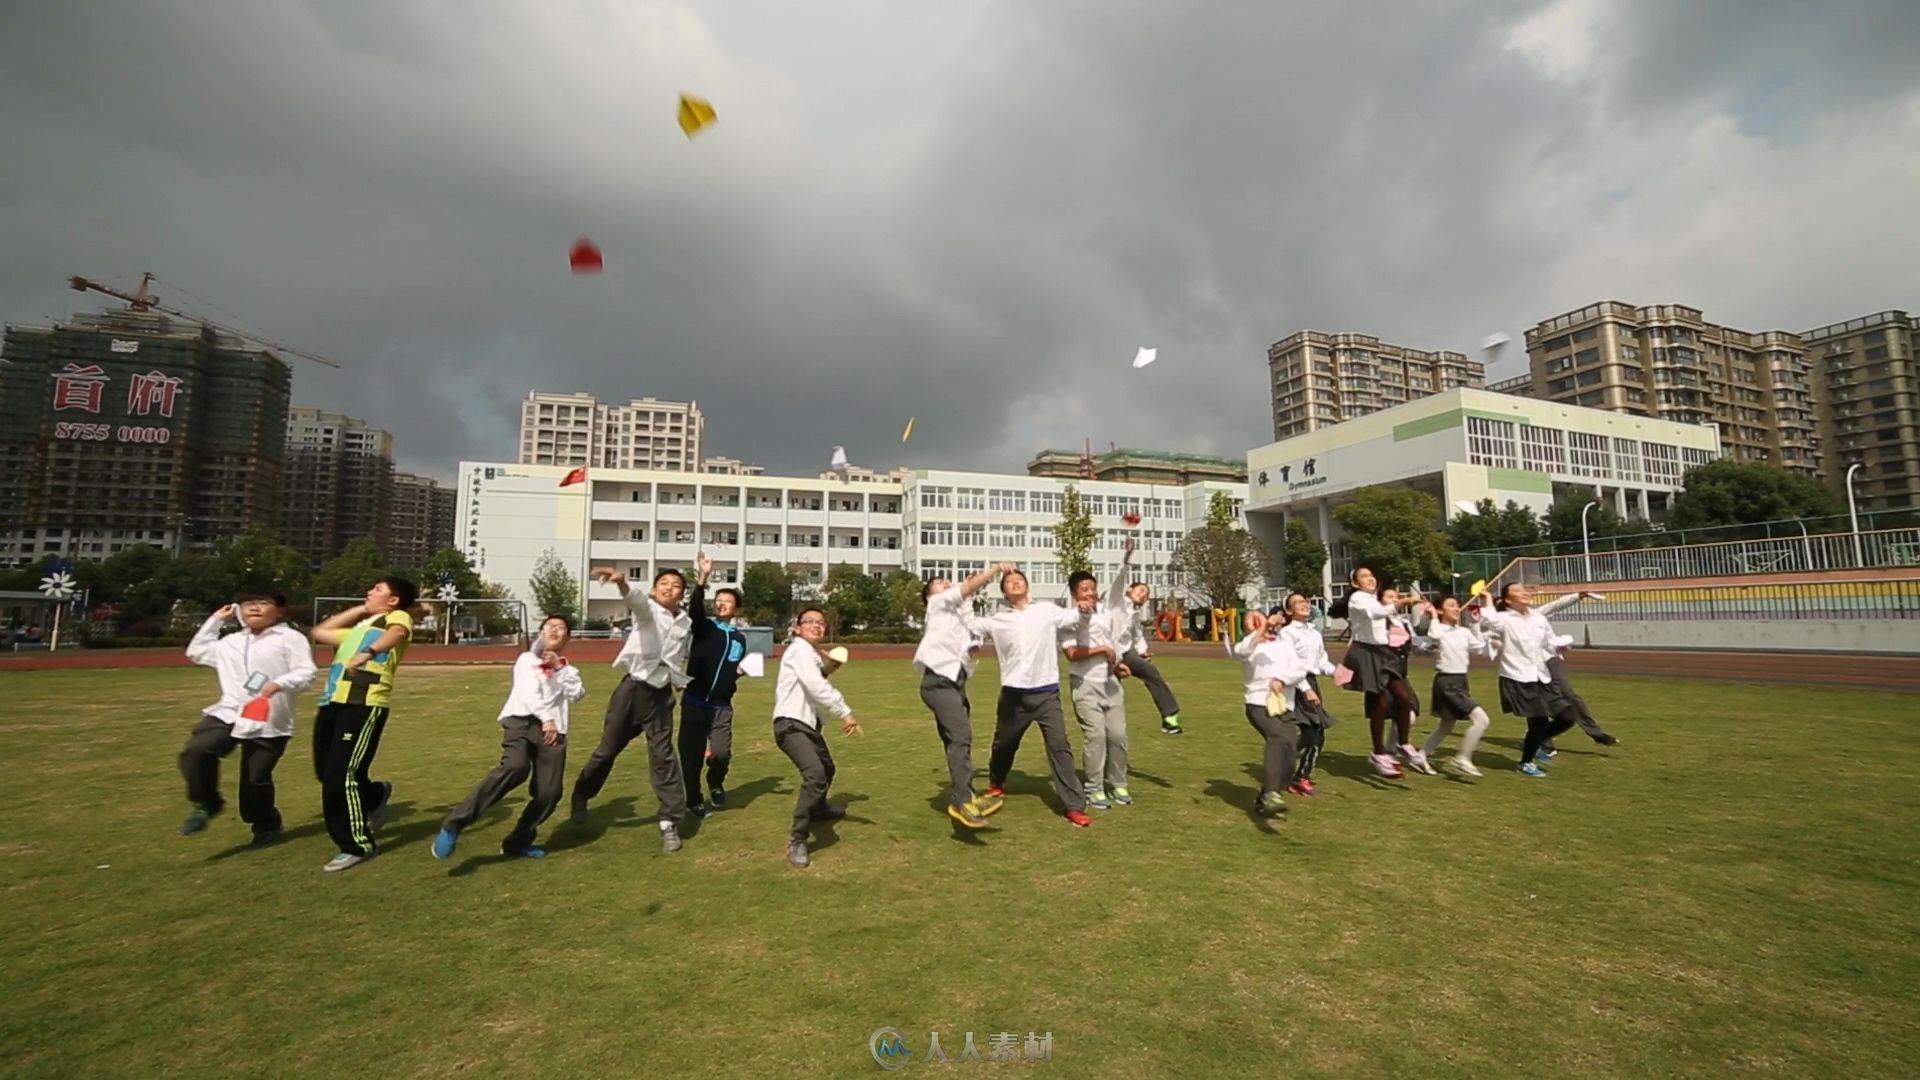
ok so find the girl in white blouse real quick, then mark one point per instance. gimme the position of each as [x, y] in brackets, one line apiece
[1454, 641]
[1380, 669]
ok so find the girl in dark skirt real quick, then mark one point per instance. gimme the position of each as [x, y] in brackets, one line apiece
[1526, 686]
[1379, 668]
[1295, 617]
[1455, 640]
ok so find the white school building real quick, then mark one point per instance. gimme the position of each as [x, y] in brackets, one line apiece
[932, 523]
[1468, 445]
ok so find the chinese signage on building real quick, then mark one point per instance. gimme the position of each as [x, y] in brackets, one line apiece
[85, 390]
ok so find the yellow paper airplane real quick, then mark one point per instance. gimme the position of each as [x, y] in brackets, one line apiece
[1477, 587]
[695, 114]
[907, 434]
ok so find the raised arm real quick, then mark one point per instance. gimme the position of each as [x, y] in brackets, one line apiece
[1561, 604]
[1117, 591]
[981, 580]
[334, 629]
[200, 649]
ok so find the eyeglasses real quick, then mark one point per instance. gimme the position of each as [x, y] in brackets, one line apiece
[813, 622]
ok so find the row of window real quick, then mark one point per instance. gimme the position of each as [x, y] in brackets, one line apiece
[1505, 444]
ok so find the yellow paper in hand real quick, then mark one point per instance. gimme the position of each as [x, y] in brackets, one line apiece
[1477, 588]
[695, 114]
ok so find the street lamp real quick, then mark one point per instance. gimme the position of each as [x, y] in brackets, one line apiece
[1853, 516]
[1586, 548]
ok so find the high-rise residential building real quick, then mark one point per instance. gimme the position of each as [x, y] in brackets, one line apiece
[337, 484]
[726, 466]
[645, 433]
[1323, 379]
[1123, 466]
[1665, 361]
[1518, 386]
[129, 428]
[420, 519]
[1869, 413]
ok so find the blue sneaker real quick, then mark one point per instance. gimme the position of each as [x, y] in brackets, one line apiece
[1530, 769]
[1543, 754]
[443, 844]
[531, 851]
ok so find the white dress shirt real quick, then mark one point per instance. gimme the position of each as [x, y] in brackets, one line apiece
[1027, 641]
[280, 653]
[1558, 642]
[1453, 645]
[656, 649]
[541, 694]
[947, 643]
[1367, 617]
[1311, 646]
[1100, 630]
[1524, 647]
[1265, 659]
[802, 687]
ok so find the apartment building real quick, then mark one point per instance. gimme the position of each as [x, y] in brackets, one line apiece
[1864, 372]
[1666, 361]
[644, 433]
[419, 519]
[1318, 379]
[336, 484]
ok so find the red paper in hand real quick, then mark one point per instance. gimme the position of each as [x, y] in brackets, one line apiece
[1131, 519]
[586, 257]
[257, 709]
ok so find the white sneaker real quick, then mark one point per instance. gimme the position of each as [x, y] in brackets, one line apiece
[1417, 759]
[1384, 765]
[344, 861]
[1463, 766]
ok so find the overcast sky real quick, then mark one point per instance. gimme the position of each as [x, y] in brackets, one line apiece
[972, 213]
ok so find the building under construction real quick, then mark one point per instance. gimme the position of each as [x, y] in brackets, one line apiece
[135, 427]
[1121, 465]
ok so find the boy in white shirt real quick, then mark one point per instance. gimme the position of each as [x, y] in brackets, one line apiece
[654, 661]
[1026, 637]
[1273, 669]
[533, 746]
[1095, 650]
[800, 692]
[945, 662]
[261, 669]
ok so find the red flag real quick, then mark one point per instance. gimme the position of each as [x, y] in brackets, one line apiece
[257, 709]
[586, 257]
[577, 476]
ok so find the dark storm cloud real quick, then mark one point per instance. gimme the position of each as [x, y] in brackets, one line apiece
[971, 214]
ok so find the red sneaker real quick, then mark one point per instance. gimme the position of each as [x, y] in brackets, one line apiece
[1306, 787]
[1078, 819]
[1298, 788]
[997, 792]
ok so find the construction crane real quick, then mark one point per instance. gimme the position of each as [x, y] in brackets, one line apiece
[142, 300]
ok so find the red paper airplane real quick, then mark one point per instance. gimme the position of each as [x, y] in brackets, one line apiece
[586, 257]
[577, 476]
[1131, 519]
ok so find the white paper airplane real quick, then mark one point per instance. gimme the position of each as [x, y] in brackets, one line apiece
[1495, 342]
[1144, 357]
[1468, 507]
[839, 463]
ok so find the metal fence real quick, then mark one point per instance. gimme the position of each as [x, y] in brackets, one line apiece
[1850, 600]
[1483, 563]
[1780, 555]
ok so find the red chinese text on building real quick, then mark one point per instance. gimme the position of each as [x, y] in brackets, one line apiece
[150, 392]
[76, 387]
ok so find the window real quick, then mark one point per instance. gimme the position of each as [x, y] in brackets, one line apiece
[1009, 501]
[936, 498]
[1587, 454]
[936, 534]
[1626, 459]
[1045, 503]
[637, 534]
[1663, 463]
[1543, 449]
[970, 499]
[1008, 537]
[937, 568]
[970, 535]
[1585, 335]
[1555, 366]
[1490, 442]
[1592, 399]
[1586, 356]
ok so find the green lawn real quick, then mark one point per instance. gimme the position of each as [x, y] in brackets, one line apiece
[1735, 890]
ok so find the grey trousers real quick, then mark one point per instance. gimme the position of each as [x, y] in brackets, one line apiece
[1019, 710]
[1582, 714]
[211, 740]
[703, 726]
[807, 748]
[1101, 707]
[524, 756]
[1282, 737]
[953, 716]
[636, 709]
[1143, 669]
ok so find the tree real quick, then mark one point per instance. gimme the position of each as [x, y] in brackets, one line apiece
[1303, 557]
[1512, 528]
[351, 573]
[1747, 493]
[854, 599]
[1219, 558]
[555, 590]
[1563, 519]
[1391, 529]
[903, 598]
[768, 591]
[1074, 533]
[258, 560]
[450, 564]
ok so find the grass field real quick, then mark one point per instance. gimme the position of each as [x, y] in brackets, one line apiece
[1735, 890]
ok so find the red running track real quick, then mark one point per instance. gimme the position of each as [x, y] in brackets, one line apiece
[1894, 673]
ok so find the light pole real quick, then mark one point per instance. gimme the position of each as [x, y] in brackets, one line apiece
[1853, 517]
[1586, 548]
[1805, 542]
